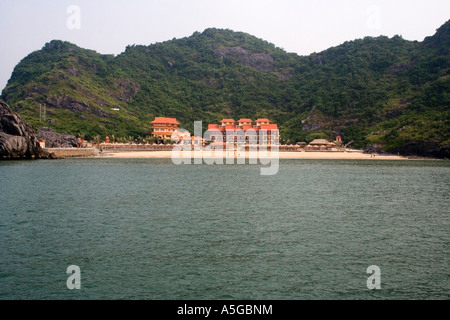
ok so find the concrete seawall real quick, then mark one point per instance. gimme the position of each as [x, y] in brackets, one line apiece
[73, 152]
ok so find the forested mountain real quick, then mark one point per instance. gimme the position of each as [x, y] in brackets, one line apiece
[381, 92]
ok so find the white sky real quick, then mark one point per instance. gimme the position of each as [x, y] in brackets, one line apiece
[304, 27]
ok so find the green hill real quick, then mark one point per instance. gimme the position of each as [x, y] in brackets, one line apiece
[383, 93]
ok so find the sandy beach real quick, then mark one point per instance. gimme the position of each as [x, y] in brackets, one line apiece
[281, 155]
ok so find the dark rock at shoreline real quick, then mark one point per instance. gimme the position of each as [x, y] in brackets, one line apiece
[17, 138]
[429, 149]
[374, 149]
[56, 140]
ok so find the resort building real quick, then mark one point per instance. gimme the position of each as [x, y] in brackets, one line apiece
[245, 132]
[320, 144]
[324, 145]
[245, 122]
[197, 141]
[182, 136]
[163, 128]
[260, 122]
[227, 122]
[339, 143]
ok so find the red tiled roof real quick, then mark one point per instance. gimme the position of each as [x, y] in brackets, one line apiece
[230, 127]
[245, 120]
[269, 127]
[246, 127]
[216, 129]
[213, 126]
[162, 120]
[263, 120]
[228, 120]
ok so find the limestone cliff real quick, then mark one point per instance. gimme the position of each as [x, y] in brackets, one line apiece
[17, 138]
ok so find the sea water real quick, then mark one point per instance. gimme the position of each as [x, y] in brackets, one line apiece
[149, 229]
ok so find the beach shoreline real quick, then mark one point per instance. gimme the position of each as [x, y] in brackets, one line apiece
[353, 155]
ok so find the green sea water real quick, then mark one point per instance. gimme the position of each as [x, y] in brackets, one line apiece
[148, 229]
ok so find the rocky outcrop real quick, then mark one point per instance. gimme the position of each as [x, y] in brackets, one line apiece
[259, 61]
[17, 138]
[127, 90]
[374, 149]
[424, 149]
[73, 105]
[56, 140]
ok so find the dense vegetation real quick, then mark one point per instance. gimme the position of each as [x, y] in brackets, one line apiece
[376, 91]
